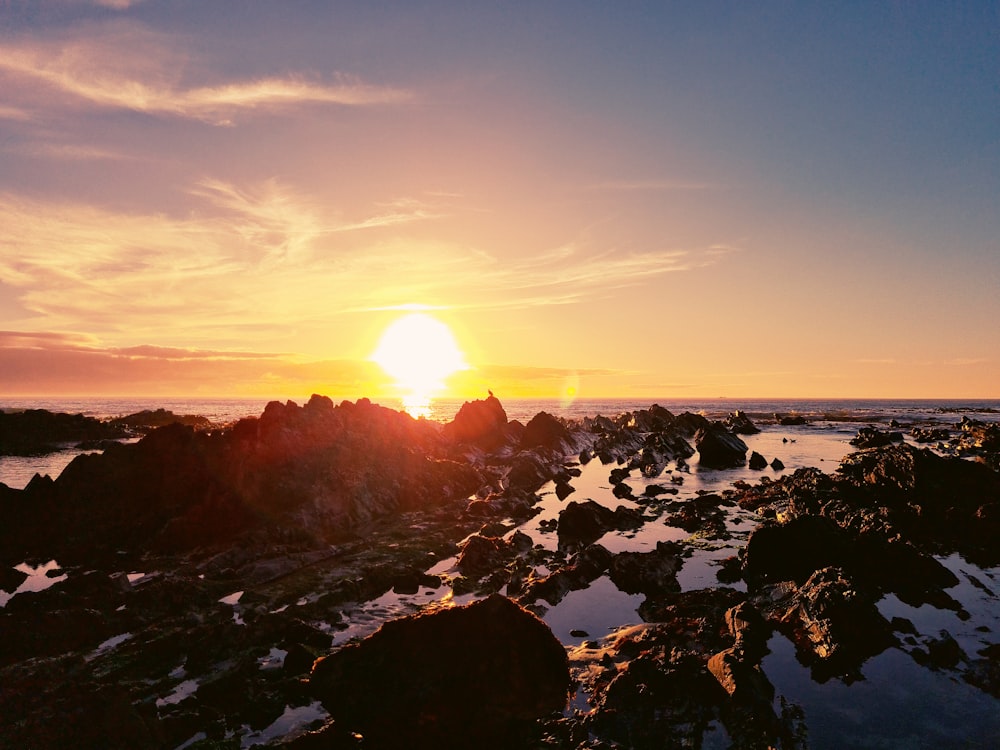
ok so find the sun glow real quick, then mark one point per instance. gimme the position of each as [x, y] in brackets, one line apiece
[419, 352]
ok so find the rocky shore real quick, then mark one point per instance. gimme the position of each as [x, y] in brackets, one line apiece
[210, 579]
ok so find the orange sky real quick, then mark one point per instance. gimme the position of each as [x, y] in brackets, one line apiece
[657, 203]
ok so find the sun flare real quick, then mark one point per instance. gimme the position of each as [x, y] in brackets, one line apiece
[419, 352]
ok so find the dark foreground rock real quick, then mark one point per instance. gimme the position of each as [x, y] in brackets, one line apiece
[718, 448]
[473, 676]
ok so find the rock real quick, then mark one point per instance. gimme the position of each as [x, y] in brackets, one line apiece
[718, 448]
[581, 570]
[583, 523]
[777, 464]
[147, 420]
[790, 420]
[835, 626]
[479, 555]
[739, 423]
[617, 476]
[740, 679]
[872, 437]
[930, 434]
[757, 461]
[793, 551]
[38, 431]
[545, 431]
[311, 471]
[651, 573]
[529, 472]
[11, 578]
[481, 422]
[564, 490]
[458, 677]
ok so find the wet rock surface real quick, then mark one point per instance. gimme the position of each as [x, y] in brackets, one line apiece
[464, 677]
[192, 609]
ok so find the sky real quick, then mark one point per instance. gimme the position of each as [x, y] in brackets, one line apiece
[663, 200]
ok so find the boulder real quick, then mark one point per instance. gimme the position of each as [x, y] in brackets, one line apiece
[481, 422]
[460, 677]
[718, 448]
[652, 573]
[545, 431]
[757, 461]
[739, 423]
[872, 437]
[583, 523]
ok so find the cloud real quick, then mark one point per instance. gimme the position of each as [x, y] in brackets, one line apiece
[124, 66]
[649, 185]
[259, 258]
[66, 152]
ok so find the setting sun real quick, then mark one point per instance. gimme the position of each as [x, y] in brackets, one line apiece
[419, 352]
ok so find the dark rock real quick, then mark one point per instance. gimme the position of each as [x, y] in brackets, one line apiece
[11, 578]
[872, 437]
[777, 464]
[545, 431]
[688, 424]
[718, 448]
[835, 625]
[617, 476]
[456, 678]
[757, 461]
[651, 573]
[480, 555]
[581, 570]
[790, 420]
[38, 431]
[481, 422]
[739, 423]
[529, 472]
[583, 523]
[147, 420]
[564, 490]
[298, 660]
[930, 434]
[793, 551]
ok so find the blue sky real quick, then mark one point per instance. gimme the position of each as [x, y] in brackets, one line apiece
[641, 199]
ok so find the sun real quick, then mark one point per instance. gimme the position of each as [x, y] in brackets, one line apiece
[419, 352]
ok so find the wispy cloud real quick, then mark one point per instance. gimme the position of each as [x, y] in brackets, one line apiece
[127, 67]
[66, 152]
[265, 255]
[655, 185]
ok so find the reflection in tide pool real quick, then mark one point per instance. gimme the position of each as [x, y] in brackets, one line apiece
[596, 611]
[38, 579]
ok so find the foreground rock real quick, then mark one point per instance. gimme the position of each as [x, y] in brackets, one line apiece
[313, 471]
[473, 676]
[718, 448]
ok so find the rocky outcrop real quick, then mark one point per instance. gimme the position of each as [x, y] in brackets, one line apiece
[481, 422]
[739, 423]
[147, 420]
[35, 432]
[463, 677]
[757, 461]
[583, 523]
[718, 448]
[872, 437]
[312, 470]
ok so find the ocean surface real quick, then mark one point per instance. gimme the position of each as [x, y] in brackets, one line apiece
[824, 414]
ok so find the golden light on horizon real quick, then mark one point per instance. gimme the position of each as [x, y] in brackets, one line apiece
[419, 352]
